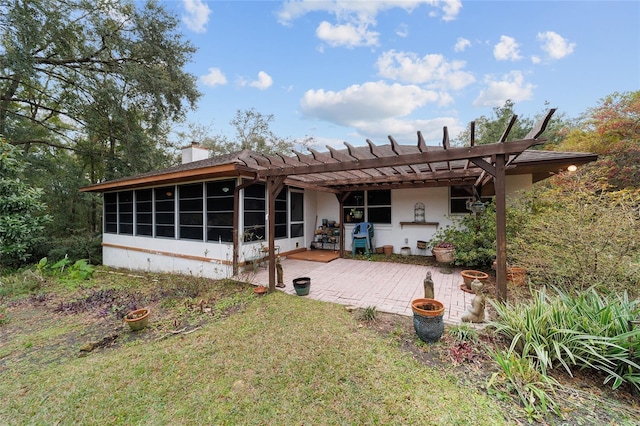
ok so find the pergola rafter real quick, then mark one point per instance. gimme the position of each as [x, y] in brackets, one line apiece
[401, 166]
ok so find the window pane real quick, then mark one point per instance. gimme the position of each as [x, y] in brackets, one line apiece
[191, 191]
[254, 233]
[297, 207]
[462, 191]
[297, 230]
[125, 197]
[220, 219]
[165, 218]
[281, 231]
[355, 199]
[144, 229]
[220, 204]
[253, 204]
[143, 195]
[191, 233]
[220, 188]
[459, 205]
[251, 219]
[254, 191]
[379, 214]
[379, 198]
[190, 218]
[220, 234]
[111, 228]
[126, 228]
[143, 218]
[191, 205]
[165, 231]
[165, 193]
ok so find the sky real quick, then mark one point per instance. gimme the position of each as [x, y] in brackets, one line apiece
[355, 70]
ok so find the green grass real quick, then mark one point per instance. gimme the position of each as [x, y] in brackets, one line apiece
[280, 360]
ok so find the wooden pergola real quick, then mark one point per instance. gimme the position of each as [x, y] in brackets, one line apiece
[396, 166]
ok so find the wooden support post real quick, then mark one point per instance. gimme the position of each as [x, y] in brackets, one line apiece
[501, 228]
[271, 230]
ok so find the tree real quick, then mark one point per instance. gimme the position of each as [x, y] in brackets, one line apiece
[100, 79]
[22, 217]
[252, 131]
[611, 130]
[490, 129]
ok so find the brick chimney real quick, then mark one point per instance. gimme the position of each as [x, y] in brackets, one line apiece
[194, 152]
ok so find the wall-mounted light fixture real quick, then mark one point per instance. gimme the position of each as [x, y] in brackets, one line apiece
[169, 193]
[572, 168]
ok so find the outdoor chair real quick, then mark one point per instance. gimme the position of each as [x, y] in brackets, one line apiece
[362, 237]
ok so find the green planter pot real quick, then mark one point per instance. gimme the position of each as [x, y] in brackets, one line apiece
[302, 285]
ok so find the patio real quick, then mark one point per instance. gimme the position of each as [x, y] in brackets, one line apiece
[389, 287]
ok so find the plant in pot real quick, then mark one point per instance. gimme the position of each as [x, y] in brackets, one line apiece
[137, 319]
[444, 251]
[356, 213]
[428, 319]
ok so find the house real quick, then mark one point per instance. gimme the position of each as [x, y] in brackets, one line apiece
[209, 216]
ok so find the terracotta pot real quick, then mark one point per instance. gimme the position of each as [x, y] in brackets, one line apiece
[443, 255]
[469, 275]
[388, 250]
[260, 290]
[516, 275]
[427, 307]
[137, 319]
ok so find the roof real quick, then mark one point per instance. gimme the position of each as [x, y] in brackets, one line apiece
[372, 166]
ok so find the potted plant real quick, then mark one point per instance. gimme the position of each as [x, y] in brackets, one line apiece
[137, 319]
[428, 319]
[356, 213]
[444, 251]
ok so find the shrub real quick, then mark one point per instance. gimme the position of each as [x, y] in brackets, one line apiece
[474, 236]
[583, 330]
[580, 237]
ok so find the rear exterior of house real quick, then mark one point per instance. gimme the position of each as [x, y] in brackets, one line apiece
[187, 227]
[209, 216]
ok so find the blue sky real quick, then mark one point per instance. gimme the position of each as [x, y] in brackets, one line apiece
[351, 70]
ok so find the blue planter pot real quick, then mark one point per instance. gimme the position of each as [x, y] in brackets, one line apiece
[428, 319]
[302, 285]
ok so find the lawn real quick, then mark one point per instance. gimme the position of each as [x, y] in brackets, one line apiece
[234, 359]
[214, 353]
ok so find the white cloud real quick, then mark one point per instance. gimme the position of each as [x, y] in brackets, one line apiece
[433, 70]
[535, 59]
[346, 35]
[214, 78]
[369, 102]
[377, 109]
[263, 82]
[354, 19]
[506, 49]
[461, 44]
[196, 16]
[511, 86]
[555, 45]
